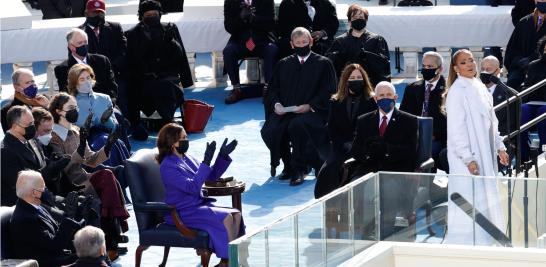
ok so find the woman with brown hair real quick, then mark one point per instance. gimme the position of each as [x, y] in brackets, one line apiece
[473, 144]
[353, 98]
[183, 177]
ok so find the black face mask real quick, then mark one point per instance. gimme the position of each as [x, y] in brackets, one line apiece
[152, 21]
[302, 51]
[355, 87]
[30, 132]
[428, 74]
[358, 24]
[71, 116]
[96, 20]
[82, 50]
[485, 77]
[183, 146]
[47, 198]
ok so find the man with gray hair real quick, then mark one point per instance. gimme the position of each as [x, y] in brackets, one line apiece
[424, 98]
[34, 231]
[296, 108]
[26, 93]
[90, 247]
[386, 140]
[78, 53]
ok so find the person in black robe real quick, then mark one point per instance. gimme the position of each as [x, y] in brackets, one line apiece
[521, 9]
[520, 50]
[417, 102]
[251, 25]
[361, 46]
[317, 16]
[353, 98]
[297, 103]
[158, 68]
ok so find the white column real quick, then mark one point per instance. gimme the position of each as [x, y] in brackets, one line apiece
[191, 62]
[253, 70]
[218, 67]
[410, 62]
[446, 55]
[51, 79]
[477, 52]
[26, 65]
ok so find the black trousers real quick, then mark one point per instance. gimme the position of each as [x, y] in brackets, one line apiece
[161, 95]
[329, 176]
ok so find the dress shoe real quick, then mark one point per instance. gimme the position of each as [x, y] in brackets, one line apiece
[122, 239]
[285, 174]
[297, 179]
[383, 2]
[234, 97]
[122, 250]
[113, 255]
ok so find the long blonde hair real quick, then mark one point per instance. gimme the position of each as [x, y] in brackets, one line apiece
[452, 76]
[342, 88]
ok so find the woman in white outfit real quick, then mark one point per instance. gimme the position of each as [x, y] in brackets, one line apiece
[473, 143]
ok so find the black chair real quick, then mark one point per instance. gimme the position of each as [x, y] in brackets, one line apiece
[148, 193]
[5, 245]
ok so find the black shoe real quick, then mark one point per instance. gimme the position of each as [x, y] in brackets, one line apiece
[285, 174]
[273, 171]
[383, 2]
[122, 239]
[234, 97]
[297, 179]
[122, 250]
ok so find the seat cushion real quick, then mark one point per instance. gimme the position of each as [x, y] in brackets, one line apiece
[168, 235]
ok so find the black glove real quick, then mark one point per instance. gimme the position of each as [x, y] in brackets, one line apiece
[226, 149]
[106, 115]
[112, 138]
[347, 146]
[377, 148]
[247, 13]
[71, 205]
[209, 152]
[524, 62]
[84, 134]
[57, 162]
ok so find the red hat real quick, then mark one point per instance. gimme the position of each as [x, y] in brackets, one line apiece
[95, 5]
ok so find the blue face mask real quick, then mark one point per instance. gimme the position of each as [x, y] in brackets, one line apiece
[31, 91]
[386, 104]
[541, 6]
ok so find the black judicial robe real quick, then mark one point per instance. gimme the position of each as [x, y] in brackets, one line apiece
[296, 84]
[523, 43]
[348, 49]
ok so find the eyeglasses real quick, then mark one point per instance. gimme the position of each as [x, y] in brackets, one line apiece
[39, 190]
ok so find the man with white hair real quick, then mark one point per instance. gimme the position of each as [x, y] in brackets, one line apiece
[79, 53]
[34, 231]
[296, 108]
[90, 247]
[424, 98]
[386, 140]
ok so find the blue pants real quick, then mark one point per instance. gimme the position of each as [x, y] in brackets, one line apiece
[235, 51]
[529, 112]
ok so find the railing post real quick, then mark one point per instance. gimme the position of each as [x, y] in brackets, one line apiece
[410, 62]
[51, 79]
[191, 62]
[446, 55]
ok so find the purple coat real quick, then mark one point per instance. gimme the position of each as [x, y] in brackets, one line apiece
[183, 179]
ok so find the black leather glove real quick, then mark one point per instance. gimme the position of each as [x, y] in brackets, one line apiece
[71, 205]
[247, 13]
[84, 134]
[112, 138]
[209, 152]
[226, 148]
[106, 115]
[58, 162]
[378, 148]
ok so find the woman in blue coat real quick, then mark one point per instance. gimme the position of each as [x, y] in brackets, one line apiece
[183, 177]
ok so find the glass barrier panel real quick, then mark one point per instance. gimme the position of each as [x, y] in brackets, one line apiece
[365, 203]
[281, 243]
[339, 245]
[311, 236]
[250, 251]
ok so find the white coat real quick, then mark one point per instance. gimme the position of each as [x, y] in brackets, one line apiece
[472, 135]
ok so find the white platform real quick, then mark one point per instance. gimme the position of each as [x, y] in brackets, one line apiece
[14, 15]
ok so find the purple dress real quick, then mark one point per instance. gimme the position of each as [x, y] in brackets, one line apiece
[183, 179]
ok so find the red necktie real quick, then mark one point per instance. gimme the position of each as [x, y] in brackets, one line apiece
[250, 44]
[96, 30]
[302, 61]
[383, 126]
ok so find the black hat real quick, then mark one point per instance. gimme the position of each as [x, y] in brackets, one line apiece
[148, 5]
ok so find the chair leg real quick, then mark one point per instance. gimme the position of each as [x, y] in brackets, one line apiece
[428, 214]
[138, 254]
[205, 258]
[165, 256]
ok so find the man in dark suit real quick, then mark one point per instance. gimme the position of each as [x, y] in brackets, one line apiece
[20, 151]
[79, 53]
[251, 24]
[34, 231]
[106, 38]
[58, 9]
[424, 98]
[317, 16]
[386, 140]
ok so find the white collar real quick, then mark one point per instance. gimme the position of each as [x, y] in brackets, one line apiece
[389, 115]
[84, 61]
[433, 84]
[304, 58]
[61, 131]
[492, 89]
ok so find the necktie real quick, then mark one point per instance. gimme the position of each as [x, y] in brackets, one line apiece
[424, 112]
[96, 30]
[540, 20]
[250, 44]
[383, 126]
[302, 61]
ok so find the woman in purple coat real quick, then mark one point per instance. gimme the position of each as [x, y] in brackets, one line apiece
[183, 177]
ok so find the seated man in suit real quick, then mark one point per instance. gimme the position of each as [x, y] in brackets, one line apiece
[386, 140]
[106, 38]
[90, 247]
[21, 151]
[251, 25]
[297, 102]
[34, 231]
[424, 98]
[79, 53]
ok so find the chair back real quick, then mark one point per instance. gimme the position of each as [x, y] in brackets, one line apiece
[145, 184]
[5, 245]
[424, 142]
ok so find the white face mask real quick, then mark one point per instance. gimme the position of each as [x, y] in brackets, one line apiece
[85, 87]
[44, 139]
